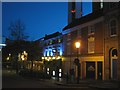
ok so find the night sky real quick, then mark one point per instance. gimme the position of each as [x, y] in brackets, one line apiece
[40, 18]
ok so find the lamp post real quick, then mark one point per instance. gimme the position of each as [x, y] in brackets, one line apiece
[77, 44]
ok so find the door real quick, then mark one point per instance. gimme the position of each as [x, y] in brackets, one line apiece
[99, 70]
[114, 69]
[90, 70]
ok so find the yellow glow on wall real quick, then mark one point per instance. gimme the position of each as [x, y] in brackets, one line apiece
[49, 57]
[22, 57]
[48, 60]
[58, 57]
[45, 57]
[53, 58]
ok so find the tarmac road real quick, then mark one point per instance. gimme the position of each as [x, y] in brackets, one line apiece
[11, 80]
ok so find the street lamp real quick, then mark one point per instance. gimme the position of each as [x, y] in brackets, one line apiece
[77, 44]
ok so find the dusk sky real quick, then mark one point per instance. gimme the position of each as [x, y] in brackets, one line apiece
[40, 18]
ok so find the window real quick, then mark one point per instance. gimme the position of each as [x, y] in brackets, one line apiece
[74, 35]
[68, 49]
[60, 72]
[91, 44]
[59, 40]
[101, 4]
[68, 36]
[113, 28]
[48, 70]
[50, 53]
[58, 52]
[46, 53]
[79, 33]
[53, 73]
[91, 30]
[50, 42]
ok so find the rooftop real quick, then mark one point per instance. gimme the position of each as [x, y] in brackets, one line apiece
[52, 35]
[84, 19]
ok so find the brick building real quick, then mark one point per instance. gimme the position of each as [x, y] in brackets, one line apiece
[98, 33]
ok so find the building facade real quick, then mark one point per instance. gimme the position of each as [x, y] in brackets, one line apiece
[98, 33]
[52, 54]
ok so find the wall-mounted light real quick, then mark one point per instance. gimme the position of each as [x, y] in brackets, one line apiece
[58, 57]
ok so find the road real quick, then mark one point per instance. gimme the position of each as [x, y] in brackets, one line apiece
[11, 80]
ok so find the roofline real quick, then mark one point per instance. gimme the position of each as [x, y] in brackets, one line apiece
[84, 19]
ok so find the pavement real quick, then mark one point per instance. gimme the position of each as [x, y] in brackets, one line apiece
[98, 84]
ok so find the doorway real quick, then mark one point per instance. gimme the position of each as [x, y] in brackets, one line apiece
[90, 70]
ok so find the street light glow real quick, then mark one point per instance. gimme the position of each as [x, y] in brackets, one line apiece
[77, 44]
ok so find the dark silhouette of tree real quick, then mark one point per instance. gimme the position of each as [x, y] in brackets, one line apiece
[17, 31]
[16, 42]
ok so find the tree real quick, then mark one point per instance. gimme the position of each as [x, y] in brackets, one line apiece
[17, 31]
[17, 40]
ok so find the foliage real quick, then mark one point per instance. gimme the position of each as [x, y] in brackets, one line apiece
[17, 31]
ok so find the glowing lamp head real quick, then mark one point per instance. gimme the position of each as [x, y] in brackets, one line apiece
[77, 44]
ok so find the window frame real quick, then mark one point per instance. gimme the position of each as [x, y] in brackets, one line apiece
[113, 27]
[91, 41]
[91, 30]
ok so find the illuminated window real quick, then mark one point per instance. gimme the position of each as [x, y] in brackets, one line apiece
[91, 30]
[54, 52]
[60, 70]
[113, 28]
[101, 3]
[53, 73]
[59, 40]
[91, 45]
[60, 74]
[48, 70]
[50, 42]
